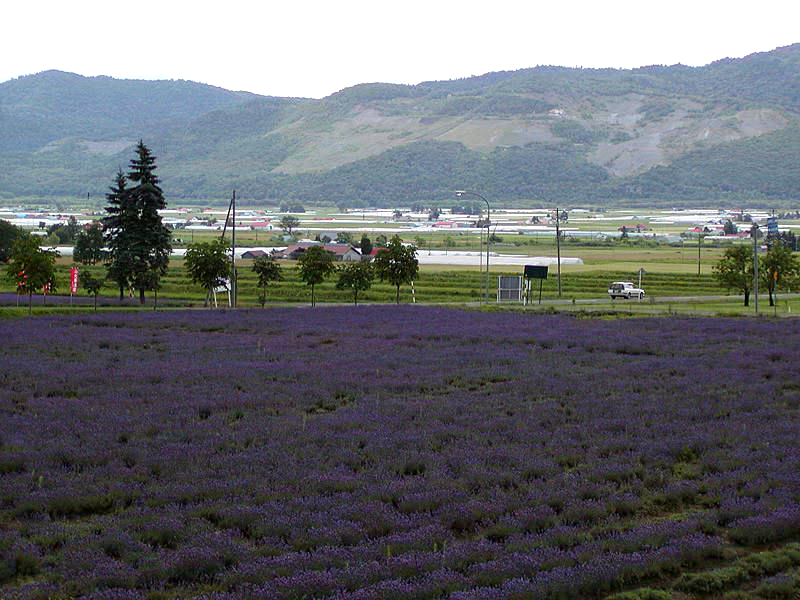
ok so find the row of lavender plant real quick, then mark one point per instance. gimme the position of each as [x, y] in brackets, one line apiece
[389, 452]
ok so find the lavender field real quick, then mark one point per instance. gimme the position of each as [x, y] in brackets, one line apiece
[393, 452]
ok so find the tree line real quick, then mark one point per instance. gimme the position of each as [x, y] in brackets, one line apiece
[778, 268]
[209, 265]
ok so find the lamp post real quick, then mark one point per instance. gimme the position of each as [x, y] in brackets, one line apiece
[488, 221]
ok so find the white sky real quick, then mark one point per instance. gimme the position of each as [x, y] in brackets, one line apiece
[313, 48]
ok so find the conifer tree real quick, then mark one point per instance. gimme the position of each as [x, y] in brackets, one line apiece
[117, 227]
[139, 243]
[151, 241]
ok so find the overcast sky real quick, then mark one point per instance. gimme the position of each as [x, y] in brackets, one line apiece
[314, 48]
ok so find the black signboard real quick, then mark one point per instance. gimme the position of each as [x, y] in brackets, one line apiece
[535, 272]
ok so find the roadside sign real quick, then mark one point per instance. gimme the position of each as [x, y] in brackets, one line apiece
[535, 272]
[223, 285]
[509, 287]
[772, 225]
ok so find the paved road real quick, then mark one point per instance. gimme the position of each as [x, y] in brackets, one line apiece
[668, 299]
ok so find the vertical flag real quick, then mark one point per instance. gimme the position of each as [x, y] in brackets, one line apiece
[73, 280]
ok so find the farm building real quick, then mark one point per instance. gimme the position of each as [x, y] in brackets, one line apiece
[255, 254]
[341, 252]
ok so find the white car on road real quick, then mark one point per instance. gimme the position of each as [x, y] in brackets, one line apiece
[625, 289]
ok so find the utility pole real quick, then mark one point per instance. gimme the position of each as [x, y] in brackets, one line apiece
[231, 207]
[234, 286]
[558, 250]
[754, 233]
[699, 242]
[488, 232]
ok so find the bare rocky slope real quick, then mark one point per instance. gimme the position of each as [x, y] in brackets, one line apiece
[674, 134]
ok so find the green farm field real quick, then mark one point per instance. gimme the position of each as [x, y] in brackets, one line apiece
[670, 287]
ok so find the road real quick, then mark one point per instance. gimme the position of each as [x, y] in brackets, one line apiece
[669, 299]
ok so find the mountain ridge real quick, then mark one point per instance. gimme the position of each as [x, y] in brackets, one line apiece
[62, 134]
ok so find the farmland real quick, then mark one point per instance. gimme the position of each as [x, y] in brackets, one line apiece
[677, 275]
[435, 284]
[670, 285]
[398, 452]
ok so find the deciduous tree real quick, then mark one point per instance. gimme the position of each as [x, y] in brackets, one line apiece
[778, 267]
[268, 270]
[8, 233]
[734, 270]
[88, 249]
[729, 228]
[31, 268]
[92, 285]
[209, 264]
[65, 233]
[289, 223]
[356, 277]
[397, 264]
[316, 264]
[365, 246]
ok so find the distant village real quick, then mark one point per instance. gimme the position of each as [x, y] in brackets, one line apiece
[340, 232]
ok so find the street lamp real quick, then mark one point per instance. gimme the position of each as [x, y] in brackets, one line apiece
[488, 221]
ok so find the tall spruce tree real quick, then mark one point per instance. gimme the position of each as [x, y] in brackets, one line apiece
[151, 240]
[117, 228]
[138, 241]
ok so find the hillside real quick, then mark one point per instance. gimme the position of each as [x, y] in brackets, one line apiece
[725, 131]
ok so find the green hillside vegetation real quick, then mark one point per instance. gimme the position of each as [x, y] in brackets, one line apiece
[765, 165]
[656, 134]
[432, 170]
[39, 109]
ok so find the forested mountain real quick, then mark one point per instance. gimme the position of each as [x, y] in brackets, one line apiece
[44, 108]
[669, 134]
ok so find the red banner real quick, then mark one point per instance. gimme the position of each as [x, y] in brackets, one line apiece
[73, 280]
